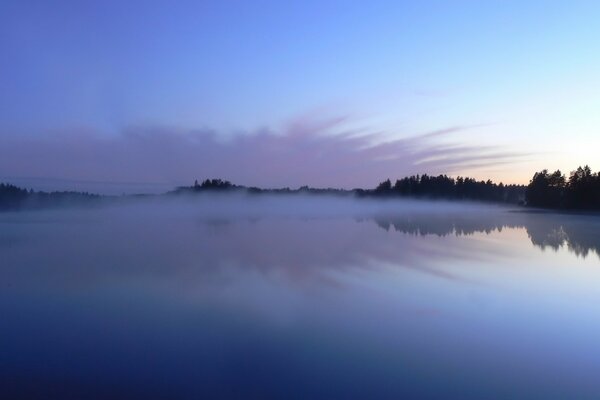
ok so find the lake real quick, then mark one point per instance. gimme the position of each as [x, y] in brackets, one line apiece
[299, 297]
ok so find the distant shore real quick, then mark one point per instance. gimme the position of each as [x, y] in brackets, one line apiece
[580, 193]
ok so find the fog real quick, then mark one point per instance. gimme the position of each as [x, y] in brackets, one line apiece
[297, 235]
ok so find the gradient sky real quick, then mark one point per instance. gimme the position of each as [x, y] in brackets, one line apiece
[513, 84]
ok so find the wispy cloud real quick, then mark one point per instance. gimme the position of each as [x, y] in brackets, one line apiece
[317, 152]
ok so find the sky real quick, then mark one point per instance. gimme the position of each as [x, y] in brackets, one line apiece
[138, 95]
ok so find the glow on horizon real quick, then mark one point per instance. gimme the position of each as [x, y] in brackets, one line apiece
[524, 72]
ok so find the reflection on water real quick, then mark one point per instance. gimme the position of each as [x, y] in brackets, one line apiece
[580, 234]
[272, 298]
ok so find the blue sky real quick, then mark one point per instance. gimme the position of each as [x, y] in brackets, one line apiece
[523, 75]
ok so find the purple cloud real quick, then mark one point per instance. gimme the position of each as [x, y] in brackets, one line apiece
[320, 153]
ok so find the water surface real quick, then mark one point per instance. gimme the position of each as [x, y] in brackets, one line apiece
[299, 298]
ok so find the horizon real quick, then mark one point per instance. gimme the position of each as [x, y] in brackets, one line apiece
[153, 188]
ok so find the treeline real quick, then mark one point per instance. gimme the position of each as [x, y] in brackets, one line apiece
[445, 187]
[220, 185]
[11, 197]
[213, 184]
[580, 191]
[15, 198]
[420, 186]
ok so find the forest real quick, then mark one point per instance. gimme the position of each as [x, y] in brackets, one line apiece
[16, 198]
[445, 187]
[580, 191]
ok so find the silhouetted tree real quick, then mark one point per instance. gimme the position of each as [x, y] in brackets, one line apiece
[384, 187]
[15, 198]
[214, 184]
[442, 186]
[12, 197]
[580, 192]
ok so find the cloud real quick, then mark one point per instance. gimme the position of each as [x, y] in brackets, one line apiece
[316, 152]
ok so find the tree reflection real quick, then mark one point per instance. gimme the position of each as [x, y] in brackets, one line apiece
[580, 234]
[205, 245]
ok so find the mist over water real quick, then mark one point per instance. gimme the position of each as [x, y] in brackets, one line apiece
[298, 297]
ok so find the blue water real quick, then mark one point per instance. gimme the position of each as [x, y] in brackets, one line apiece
[299, 298]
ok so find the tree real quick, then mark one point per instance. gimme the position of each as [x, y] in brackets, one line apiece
[385, 186]
[580, 191]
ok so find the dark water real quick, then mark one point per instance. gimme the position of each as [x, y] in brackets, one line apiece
[299, 298]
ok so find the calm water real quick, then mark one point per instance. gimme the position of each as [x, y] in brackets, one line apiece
[299, 298]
